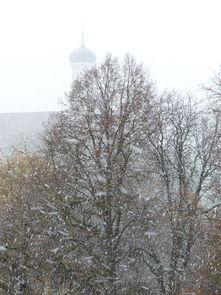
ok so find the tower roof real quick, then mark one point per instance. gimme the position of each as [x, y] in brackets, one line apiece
[82, 55]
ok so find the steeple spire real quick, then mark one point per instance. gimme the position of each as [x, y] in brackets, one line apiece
[81, 58]
[82, 33]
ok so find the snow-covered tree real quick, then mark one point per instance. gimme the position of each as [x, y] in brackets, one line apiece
[183, 154]
[93, 147]
[118, 201]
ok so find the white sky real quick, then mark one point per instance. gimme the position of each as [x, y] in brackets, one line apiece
[178, 40]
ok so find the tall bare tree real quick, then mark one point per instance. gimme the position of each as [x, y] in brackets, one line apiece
[183, 156]
[93, 146]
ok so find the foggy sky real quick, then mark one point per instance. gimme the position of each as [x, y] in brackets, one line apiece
[178, 40]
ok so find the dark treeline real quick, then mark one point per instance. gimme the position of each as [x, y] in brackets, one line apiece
[123, 198]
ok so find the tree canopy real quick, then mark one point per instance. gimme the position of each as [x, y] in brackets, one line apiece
[122, 199]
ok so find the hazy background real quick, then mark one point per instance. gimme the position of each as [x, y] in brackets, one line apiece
[178, 40]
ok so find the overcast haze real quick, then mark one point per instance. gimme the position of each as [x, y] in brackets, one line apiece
[179, 41]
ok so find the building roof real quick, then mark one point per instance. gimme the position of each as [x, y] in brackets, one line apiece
[82, 55]
[21, 130]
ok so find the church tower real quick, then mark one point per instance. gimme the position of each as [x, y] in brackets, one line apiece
[81, 59]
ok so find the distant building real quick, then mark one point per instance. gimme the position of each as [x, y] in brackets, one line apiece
[18, 130]
[21, 130]
[81, 59]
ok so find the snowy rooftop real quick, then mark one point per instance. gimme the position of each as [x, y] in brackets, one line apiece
[18, 130]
